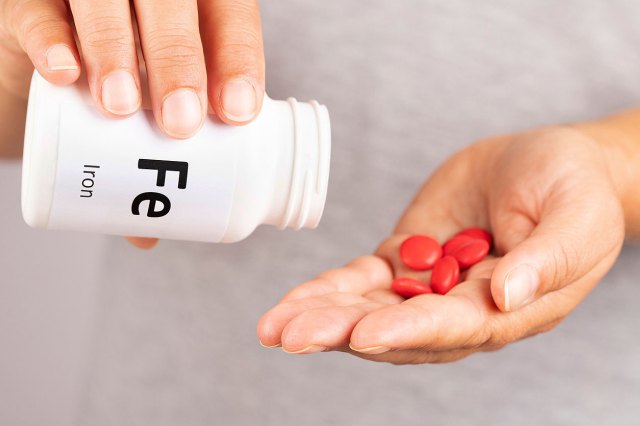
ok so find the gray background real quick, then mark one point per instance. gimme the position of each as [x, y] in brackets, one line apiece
[94, 332]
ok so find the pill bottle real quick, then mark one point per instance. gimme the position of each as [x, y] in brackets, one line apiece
[83, 171]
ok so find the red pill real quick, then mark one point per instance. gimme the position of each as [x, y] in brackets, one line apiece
[478, 234]
[469, 252]
[408, 287]
[454, 243]
[420, 252]
[445, 275]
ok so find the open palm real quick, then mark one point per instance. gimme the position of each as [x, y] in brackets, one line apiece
[547, 196]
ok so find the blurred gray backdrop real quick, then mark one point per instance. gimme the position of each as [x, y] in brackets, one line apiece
[95, 332]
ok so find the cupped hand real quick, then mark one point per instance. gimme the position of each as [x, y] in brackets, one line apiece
[548, 198]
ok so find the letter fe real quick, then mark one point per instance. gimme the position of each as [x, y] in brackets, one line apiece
[162, 167]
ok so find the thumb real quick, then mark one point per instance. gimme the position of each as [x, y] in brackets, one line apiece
[571, 239]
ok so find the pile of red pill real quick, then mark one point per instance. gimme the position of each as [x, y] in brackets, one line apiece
[422, 253]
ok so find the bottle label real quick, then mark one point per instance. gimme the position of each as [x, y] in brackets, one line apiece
[125, 177]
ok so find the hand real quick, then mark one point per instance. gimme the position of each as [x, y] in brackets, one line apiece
[220, 62]
[550, 201]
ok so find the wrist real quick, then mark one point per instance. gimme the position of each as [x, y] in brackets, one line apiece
[618, 138]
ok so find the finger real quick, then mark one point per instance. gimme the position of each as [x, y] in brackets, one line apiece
[421, 356]
[108, 49]
[576, 235]
[464, 321]
[43, 31]
[175, 64]
[323, 329]
[271, 325]
[449, 201]
[360, 276]
[143, 243]
[232, 38]
[429, 322]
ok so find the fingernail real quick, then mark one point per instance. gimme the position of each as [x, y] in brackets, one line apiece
[60, 57]
[238, 100]
[373, 350]
[269, 347]
[312, 349]
[520, 286]
[182, 113]
[119, 93]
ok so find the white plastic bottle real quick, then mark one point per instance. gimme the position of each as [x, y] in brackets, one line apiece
[83, 171]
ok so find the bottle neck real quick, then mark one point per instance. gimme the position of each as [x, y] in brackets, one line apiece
[282, 168]
[303, 172]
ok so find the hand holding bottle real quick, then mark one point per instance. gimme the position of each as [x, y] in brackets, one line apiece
[196, 53]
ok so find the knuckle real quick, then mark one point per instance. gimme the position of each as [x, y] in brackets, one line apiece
[481, 338]
[240, 14]
[241, 49]
[172, 48]
[32, 25]
[239, 39]
[503, 331]
[564, 265]
[242, 9]
[106, 34]
[479, 327]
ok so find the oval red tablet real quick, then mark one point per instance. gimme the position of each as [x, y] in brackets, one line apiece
[420, 252]
[454, 243]
[479, 234]
[445, 275]
[470, 252]
[408, 287]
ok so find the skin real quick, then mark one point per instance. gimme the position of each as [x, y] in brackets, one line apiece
[547, 195]
[207, 49]
[557, 200]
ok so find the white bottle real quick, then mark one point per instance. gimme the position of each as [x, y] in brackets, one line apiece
[83, 171]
